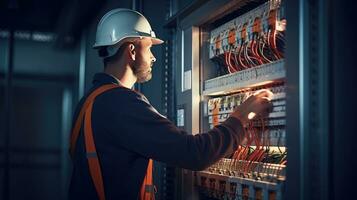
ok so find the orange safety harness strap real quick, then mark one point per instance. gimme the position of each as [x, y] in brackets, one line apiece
[147, 188]
[79, 121]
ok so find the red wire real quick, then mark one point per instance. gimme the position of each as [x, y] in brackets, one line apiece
[233, 66]
[255, 53]
[241, 49]
[226, 62]
[239, 67]
[260, 50]
[271, 46]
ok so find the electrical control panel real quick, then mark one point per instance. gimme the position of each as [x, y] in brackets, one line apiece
[247, 53]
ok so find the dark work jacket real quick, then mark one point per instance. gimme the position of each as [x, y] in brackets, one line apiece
[128, 131]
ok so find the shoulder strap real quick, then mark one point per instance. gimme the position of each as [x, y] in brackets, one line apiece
[77, 126]
[91, 152]
[147, 189]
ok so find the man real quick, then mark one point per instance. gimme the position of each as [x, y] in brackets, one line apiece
[119, 131]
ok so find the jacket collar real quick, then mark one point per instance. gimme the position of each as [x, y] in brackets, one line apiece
[103, 78]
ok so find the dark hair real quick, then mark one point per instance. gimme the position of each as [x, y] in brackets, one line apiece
[103, 52]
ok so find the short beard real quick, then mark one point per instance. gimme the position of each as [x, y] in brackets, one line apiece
[142, 74]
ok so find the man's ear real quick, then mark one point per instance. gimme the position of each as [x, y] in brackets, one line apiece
[132, 52]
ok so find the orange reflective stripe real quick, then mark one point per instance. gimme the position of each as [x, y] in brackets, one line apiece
[79, 121]
[88, 132]
[93, 161]
[147, 191]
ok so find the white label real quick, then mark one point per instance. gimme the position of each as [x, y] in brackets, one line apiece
[181, 117]
[187, 80]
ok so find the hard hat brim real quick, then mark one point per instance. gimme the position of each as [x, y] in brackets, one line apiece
[156, 41]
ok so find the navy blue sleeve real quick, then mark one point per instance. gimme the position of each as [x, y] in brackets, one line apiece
[138, 127]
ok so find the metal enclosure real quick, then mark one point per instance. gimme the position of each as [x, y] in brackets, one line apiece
[306, 80]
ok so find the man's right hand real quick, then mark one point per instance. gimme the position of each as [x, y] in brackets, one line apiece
[257, 105]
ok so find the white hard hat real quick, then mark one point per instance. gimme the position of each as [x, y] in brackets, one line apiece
[120, 24]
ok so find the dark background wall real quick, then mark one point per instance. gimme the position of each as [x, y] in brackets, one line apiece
[35, 109]
[40, 83]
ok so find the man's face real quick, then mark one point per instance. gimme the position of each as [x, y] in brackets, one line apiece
[144, 60]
